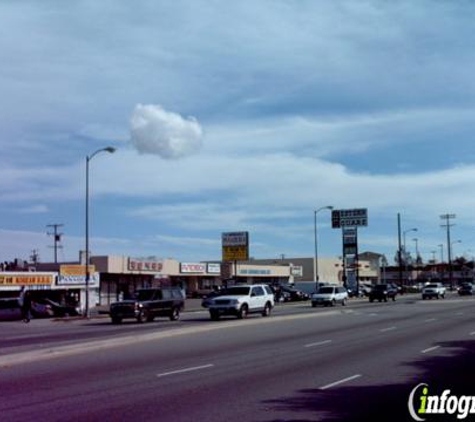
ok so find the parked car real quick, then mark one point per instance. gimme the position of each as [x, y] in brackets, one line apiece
[40, 309]
[292, 294]
[10, 309]
[330, 296]
[382, 292]
[466, 289]
[59, 309]
[433, 290]
[241, 301]
[149, 304]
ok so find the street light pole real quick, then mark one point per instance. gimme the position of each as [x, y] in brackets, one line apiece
[88, 274]
[441, 246]
[315, 258]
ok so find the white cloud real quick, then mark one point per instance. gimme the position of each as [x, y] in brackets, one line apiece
[34, 209]
[169, 135]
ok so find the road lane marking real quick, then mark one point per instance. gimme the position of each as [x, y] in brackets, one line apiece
[460, 313]
[430, 349]
[182, 371]
[318, 343]
[372, 314]
[431, 320]
[334, 384]
[472, 333]
[384, 330]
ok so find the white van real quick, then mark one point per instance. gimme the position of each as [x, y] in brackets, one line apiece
[330, 295]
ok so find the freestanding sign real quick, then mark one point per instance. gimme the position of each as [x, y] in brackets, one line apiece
[235, 246]
[349, 221]
[349, 218]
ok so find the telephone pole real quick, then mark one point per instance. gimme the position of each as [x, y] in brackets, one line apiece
[56, 238]
[447, 225]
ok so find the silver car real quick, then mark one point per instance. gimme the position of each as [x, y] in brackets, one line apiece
[330, 296]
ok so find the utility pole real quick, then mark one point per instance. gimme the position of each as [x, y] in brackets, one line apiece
[56, 238]
[447, 225]
[34, 257]
[399, 258]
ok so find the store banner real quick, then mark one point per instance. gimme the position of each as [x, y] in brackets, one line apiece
[26, 279]
[76, 275]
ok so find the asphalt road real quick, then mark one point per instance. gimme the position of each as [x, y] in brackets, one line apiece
[350, 363]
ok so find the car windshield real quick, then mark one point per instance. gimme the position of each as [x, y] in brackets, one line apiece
[325, 290]
[380, 287]
[235, 291]
[432, 286]
[143, 295]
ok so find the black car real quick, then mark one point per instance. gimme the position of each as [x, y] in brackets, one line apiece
[292, 294]
[148, 304]
[382, 292]
[61, 309]
[466, 289]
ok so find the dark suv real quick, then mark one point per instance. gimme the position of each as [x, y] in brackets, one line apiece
[382, 292]
[148, 304]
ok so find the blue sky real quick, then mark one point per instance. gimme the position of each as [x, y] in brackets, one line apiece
[231, 116]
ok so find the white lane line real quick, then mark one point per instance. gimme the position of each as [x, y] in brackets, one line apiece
[431, 320]
[472, 333]
[181, 371]
[372, 314]
[318, 343]
[384, 330]
[333, 384]
[460, 313]
[429, 349]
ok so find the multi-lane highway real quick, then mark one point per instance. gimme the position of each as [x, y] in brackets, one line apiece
[358, 362]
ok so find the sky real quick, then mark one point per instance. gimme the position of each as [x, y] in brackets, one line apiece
[235, 116]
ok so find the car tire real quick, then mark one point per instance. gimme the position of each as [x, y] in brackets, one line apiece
[314, 305]
[343, 302]
[394, 298]
[141, 318]
[371, 300]
[267, 310]
[386, 299]
[333, 302]
[116, 320]
[243, 312]
[175, 314]
[214, 315]
[150, 318]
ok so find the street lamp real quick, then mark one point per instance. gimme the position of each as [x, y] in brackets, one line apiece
[416, 240]
[404, 237]
[88, 275]
[441, 246]
[315, 258]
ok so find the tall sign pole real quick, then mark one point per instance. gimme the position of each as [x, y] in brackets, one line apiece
[349, 221]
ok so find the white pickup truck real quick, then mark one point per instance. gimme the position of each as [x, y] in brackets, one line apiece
[431, 290]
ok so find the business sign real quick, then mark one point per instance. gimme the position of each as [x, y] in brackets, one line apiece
[235, 246]
[214, 268]
[349, 218]
[192, 268]
[350, 236]
[145, 265]
[254, 272]
[76, 274]
[26, 279]
[296, 271]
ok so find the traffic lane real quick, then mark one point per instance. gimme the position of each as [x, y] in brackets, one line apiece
[17, 335]
[283, 370]
[72, 332]
[139, 335]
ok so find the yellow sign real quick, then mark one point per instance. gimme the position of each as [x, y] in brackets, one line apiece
[235, 253]
[75, 270]
[25, 279]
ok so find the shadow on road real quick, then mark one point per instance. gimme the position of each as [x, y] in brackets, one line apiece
[384, 402]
